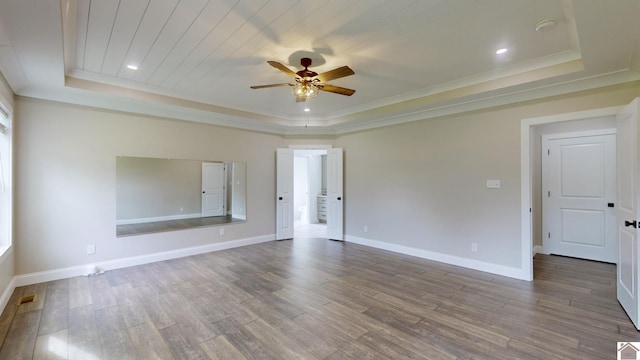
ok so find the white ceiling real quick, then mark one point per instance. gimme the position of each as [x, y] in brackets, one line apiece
[413, 59]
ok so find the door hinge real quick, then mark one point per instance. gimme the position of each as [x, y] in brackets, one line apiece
[548, 151]
[548, 193]
[548, 235]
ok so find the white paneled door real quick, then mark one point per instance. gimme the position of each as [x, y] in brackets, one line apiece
[579, 192]
[335, 223]
[212, 189]
[628, 216]
[284, 194]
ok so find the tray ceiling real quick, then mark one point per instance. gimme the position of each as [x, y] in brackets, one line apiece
[413, 59]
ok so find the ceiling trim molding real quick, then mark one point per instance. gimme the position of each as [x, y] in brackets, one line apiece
[182, 110]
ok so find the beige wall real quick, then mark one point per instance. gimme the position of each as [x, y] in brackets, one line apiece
[423, 184]
[152, 187]
[65, 181]
[419, 184]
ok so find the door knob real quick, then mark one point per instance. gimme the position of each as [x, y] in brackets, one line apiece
[630, 223]
[280, 198]
[610, 204]
[339, 198]
[203, 192]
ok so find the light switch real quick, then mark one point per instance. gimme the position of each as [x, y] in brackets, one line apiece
[493, 184]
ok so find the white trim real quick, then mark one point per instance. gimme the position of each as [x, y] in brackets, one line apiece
[6, 294]
[239, 217]
[86, 269]
[443, 258]
[526, 238]
[158, 218]
[579, 134]
[538, 250]
[310, 147]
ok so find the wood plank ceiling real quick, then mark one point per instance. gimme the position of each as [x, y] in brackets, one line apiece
[423, 54]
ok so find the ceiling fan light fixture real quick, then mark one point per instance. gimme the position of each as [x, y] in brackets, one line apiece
[305, 90]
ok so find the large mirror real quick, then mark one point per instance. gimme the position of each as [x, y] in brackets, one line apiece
[156, 195]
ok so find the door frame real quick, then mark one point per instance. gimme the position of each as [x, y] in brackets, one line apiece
[324, 147]
[526, 177]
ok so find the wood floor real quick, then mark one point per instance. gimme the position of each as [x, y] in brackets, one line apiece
[319, 299]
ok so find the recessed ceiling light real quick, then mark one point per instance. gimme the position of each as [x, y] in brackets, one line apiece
[501, 51]
[307, 109]
[132, 67]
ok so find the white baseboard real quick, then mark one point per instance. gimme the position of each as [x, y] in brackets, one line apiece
[511, 272]
[539, 250]
[57, 274]
[6, 294]
[158, 218]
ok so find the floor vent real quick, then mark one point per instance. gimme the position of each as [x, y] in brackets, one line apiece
[26, 299]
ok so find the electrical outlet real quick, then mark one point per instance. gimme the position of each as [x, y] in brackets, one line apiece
[474, 247]
[91, 249]
[366, 228]
[493, 184]
[222, 232]
[181, 208]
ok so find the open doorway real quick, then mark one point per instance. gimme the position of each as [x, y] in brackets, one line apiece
[533, 130]
[309, 193]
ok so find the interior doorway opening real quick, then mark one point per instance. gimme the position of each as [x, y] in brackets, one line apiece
[532, 131]
[309, 193]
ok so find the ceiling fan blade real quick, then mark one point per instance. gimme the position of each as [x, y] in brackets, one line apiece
[283, 68]
[271, 85]
[336, 89]
[335, 74]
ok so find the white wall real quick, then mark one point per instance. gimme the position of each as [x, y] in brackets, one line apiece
[6, 260]
[65, 181]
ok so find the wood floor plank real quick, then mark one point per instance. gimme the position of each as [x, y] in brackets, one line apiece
[79, 292]
[21, 338]
[112, 331]
[246, 343]
[52, 346]
[83, 336]
[183, 347]
[55, 312]
[278, 344]
[102, 295]
[192, 323]
[220, 348]
[318, 299]
[9, 313]
[148, 342]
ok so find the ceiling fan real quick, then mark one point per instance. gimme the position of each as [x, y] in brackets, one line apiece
[308, 83]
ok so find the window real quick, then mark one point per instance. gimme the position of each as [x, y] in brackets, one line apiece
[5, 180]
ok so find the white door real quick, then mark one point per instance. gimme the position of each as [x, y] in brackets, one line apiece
[334, 194]
[579, 191]
[627, 222]
[284, 194]
[212, 189]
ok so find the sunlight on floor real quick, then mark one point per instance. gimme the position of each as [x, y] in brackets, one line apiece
[302, 230]
[61, 349]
